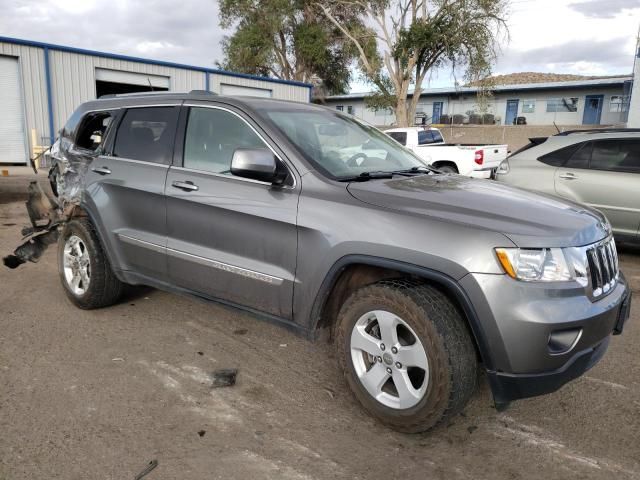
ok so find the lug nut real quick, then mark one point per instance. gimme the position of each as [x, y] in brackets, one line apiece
[379, 359]
[389, 371]
[398, 365]
[394, 350]
[382, 347]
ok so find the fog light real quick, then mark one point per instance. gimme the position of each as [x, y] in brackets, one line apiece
[563, 341]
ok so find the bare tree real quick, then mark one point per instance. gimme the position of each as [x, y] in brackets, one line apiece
[406, 39]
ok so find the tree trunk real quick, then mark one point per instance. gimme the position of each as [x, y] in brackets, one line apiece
[401, 112]
[402, 118]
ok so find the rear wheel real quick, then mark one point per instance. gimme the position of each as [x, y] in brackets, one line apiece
[85, 271]
[406, 353]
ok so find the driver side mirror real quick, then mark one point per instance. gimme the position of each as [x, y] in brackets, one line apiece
[258, 164]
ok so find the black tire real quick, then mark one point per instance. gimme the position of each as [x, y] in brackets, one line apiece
[448, 169]
[104, 288]
[449, 348]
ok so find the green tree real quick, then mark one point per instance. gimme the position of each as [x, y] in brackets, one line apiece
[290, 40]
[414, 37]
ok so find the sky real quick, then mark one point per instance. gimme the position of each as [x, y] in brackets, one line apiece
[588, 37]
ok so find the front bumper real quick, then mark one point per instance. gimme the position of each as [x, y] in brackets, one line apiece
[519, 320]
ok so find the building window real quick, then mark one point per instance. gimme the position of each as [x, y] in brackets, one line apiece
[528, 106]
[351, 110]
[381, 112]
[340, 108]
[619, 103]
[566, 104]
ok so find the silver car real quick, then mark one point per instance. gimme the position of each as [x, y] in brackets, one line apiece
[600, 168]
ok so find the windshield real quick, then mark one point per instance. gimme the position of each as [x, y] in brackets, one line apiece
[341, 145]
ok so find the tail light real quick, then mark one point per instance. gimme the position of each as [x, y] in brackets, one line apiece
[479, 158]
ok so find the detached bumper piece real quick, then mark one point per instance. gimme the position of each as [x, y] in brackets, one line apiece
[43, 213]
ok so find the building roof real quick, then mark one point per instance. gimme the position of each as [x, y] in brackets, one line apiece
[588, 83]
[536, 77]
[162, 63]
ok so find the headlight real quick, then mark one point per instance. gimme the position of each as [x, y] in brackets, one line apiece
[503, 167]
[535, 265]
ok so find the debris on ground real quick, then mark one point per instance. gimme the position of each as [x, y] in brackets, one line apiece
[224, 377]
[240, 331]
[201, 432]
[330, 392]
[150, 466]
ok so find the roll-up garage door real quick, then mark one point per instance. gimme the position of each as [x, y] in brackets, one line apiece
[12, 135]
[238, 90]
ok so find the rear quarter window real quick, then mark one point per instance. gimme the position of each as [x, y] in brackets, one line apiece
[93, 130]
[557, 158]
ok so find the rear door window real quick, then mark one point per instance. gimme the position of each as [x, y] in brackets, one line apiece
[147, 134]
[400, 137]
[425, 137]
[620, 155]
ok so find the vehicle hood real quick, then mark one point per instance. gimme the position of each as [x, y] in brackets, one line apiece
[528, 219]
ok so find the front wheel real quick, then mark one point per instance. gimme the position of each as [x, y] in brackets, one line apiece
[85, 271]
[406, 354]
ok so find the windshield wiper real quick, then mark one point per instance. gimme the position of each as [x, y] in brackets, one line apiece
[365, 176]
[415, 170]
[381, 174]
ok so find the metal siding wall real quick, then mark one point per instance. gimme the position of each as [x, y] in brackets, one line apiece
[31, 61]
[73, 82]
[73, 79]
[280, 91]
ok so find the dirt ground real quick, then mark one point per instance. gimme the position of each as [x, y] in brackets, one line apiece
[99, 394]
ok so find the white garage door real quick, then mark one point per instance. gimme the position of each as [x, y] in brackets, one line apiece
[12, 136]
[237, 90]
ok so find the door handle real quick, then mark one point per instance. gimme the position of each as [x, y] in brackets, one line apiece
[186, 186]
[568, 176]
[101, 170]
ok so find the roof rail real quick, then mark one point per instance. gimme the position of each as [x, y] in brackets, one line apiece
[163, 92]
[136, 94]
[599, 130]
[202, 92]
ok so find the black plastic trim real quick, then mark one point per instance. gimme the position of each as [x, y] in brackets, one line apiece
[507, 387]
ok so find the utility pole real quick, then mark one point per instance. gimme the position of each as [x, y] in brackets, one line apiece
[633, 120]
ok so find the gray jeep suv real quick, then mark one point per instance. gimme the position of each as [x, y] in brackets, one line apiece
[319, 222]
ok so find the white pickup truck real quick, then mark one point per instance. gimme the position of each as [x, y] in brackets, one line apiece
[480, 161]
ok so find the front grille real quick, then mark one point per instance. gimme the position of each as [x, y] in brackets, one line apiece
[602, 259]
